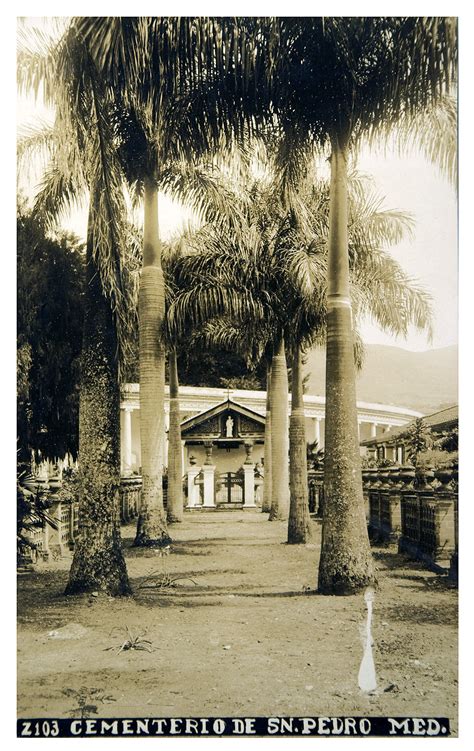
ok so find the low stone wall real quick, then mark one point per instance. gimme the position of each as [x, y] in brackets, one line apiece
[416, 511]
[50, 542]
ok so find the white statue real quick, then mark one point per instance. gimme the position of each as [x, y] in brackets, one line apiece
[229, 427]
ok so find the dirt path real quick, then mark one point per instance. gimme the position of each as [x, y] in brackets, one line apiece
[247, 639]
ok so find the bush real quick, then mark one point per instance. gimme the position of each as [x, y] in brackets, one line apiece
[436, 458]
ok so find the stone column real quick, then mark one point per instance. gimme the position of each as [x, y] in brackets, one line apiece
[395, 508]
[249, 477]
[444, 529]
[317, 430]
[127, 441]
[373, 429]
[208, 472]
[249, 486]
[193, 490]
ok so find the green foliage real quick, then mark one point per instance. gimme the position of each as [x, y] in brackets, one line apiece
[418, 438]
[69, 490]
[50, 274]
[85, 698]
[314, 456]
[218, 368]
[133, 641]
[32, 512]
[436, 458]
[449, 440]
[373, 462]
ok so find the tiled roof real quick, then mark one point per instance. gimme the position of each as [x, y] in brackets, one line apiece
[438, 421]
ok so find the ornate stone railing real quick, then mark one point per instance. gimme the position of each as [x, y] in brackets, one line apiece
[130, 494]
[51, 542]
[416, 510]
[315, 491]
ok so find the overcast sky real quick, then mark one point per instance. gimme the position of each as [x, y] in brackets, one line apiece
[408, 183]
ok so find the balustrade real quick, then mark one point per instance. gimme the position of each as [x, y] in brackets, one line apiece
[416, 509]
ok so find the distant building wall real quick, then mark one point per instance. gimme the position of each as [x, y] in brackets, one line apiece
[374, 419]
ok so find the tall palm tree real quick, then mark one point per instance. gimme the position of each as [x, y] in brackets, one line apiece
[334, 82]
[83, 160]
[272, 277]
[267, 477]
[299, 529]
[170, 73]
[174, 507]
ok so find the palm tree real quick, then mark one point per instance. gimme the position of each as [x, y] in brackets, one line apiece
[282, 284]
[169, 72]
[280, 440]
[267, 478]
[299, 529]
[232, 273]
[175, 459]
[82, 159]
[334, 82]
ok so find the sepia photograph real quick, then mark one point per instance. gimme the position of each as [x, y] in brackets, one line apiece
[237, 376]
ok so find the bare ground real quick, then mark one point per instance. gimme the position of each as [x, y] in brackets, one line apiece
[247, 637]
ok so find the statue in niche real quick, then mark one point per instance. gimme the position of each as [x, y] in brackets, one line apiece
[229, 427]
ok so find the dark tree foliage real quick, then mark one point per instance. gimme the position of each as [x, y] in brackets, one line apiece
[50, 280]
[220, 369]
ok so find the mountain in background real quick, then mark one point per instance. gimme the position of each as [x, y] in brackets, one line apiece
[424, 381]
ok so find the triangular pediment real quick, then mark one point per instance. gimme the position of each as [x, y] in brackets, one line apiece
[228, 420]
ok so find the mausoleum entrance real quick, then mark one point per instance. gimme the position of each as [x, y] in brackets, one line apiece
[224, 449]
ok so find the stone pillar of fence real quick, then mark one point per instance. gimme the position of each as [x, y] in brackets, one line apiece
[130, 495]
[249, 486]
[444, 542]
[394, 507]
[208, 474]
[446, 515]
[55, 542]
[193, 489]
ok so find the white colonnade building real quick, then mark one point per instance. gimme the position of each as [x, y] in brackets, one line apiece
[374, 420]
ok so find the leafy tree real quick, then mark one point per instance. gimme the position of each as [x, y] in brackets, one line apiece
[83, 159]
[418, 438]
[217, 367]
[449, 440]
[50, 286]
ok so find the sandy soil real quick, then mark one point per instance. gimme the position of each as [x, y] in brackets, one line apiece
[249, 638]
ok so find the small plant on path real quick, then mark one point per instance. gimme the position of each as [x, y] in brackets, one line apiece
[163, 579]
[84, 698]
[133, 641]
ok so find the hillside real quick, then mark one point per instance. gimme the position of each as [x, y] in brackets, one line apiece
[425, 381]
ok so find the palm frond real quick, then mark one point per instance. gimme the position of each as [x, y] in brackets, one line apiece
[35, 141]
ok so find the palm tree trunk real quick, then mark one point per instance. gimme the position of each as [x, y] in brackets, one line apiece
[151, 527]
[279, 440]
[175, 461]
[299, 529]
[267, 477]
[346, 563]
[98, 562]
